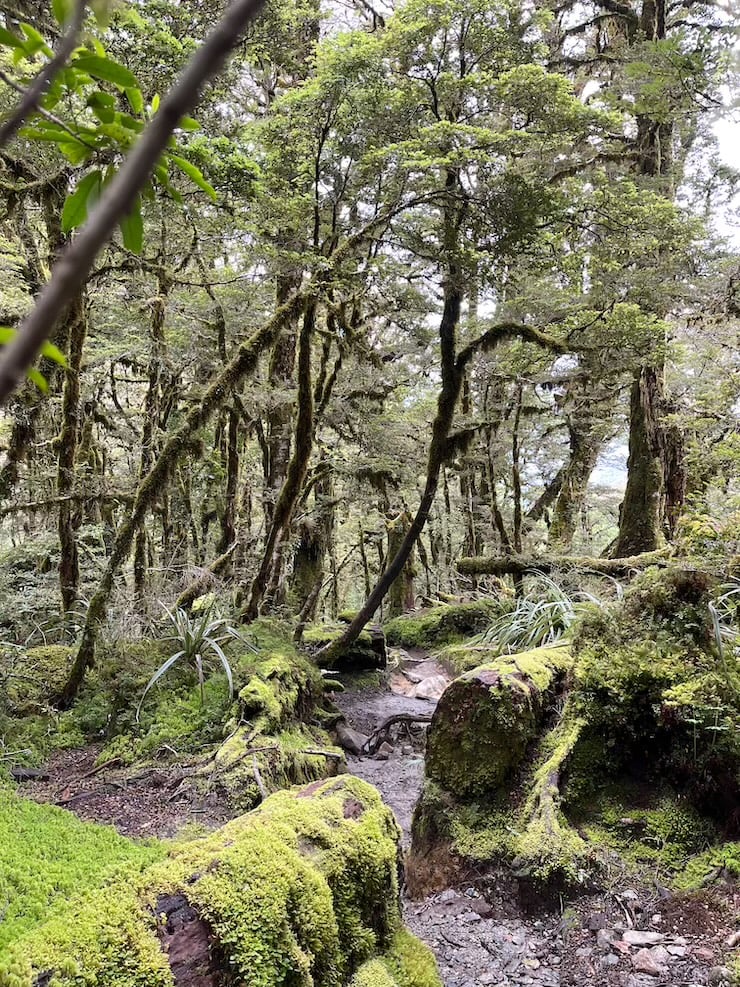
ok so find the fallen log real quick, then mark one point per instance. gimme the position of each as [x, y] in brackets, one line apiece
[521, 565]
[379, 735]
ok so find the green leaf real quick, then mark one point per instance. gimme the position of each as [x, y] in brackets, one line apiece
[194, 174]
[188, 123]
[135, 99]
[74, 151]
[10, 40]
[38, 379]
[61, 10]
[132, 228]
[52, 352]
[48, 350]
[155, 102]
[74, 212]
[103, 105]
[106, 69]
[129, 122]
[36, 40]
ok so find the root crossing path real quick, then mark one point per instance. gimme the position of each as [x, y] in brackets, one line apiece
[478, 930]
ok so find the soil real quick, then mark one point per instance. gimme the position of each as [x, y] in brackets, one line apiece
[156, 800]
[479, 930]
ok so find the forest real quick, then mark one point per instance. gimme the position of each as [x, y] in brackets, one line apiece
[369, 493]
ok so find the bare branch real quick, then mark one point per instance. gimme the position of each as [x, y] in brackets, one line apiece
[75, 264]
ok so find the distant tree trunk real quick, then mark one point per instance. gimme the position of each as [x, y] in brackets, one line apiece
[314, 538]
[70, 510]
[152, 415]
[641, 513]
[296, 471]
[584, 452]
[229, 516]
[401, 596]
[279, 418]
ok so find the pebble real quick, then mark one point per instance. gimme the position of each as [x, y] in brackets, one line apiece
[644, 962]
[637, 938]
[734, 940]
[720, 975]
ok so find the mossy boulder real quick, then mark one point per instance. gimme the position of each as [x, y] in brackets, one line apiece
[486, 719]
[443, 624]
[301, 893]
[639, 757]
[366, 653]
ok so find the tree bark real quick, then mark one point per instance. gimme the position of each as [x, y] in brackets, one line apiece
[69, 511]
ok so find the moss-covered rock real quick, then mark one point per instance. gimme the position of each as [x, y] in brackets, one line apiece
[365, 654]
[443, 624]
[640, 757]
[486, 718]
[301, 893]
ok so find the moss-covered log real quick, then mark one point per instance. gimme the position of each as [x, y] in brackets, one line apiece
[486, 719]
[520, 565]
[443, 624]
[301, 893]
[365, 653]
[643, 758]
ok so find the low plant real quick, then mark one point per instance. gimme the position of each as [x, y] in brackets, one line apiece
[724, 610]
[199, 637]
[541, 616]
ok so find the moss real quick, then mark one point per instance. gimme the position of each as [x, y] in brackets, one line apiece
[47, 854]
[281, 759]
[34, 675]
[374, 973]
[321, 872]
[487, 718]
[442, 625]
[719, 862]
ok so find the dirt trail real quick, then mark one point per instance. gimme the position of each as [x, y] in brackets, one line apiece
[480, 935]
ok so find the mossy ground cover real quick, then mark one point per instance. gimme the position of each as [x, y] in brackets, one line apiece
[48, 855]
[302, 892]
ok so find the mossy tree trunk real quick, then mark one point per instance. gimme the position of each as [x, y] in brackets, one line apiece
[70, 514]
[150, 439]
[296, 473]
[656, 475]
[584, 452]
[641, 515]
[401, 596]
[315, 536]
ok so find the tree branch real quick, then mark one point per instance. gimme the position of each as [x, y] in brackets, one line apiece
[35, 91]
[73, 268]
